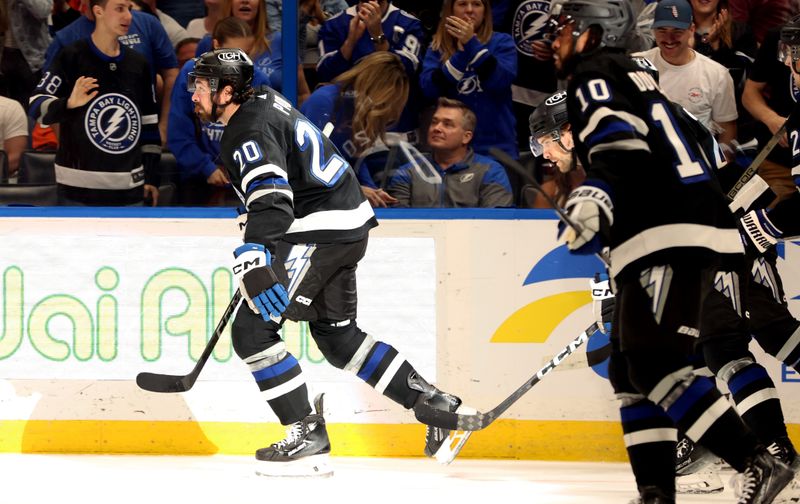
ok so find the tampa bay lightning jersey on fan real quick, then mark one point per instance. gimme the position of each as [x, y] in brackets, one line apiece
[102, 142]
[295, 185]
[668, 206]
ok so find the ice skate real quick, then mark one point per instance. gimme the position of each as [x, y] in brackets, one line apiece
[705, 481]
[442, 444]
[304, 451]
[784, 450]
[652, 495]
[765, 480]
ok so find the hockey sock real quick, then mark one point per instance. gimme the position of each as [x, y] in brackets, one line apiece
[650, 439]
[386, 371]
[697, 408]
[281, 382]
[756, 398]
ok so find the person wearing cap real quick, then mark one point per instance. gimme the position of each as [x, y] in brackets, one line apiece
[696, 82]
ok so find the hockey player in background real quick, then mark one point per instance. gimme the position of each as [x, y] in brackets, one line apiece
[109, 146]
[304, 205]
[651, 197]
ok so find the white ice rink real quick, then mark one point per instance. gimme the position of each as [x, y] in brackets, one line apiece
[122, 479]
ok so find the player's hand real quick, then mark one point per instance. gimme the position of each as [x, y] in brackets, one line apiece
[378, 198]
[218, 178]
[460, 29]
[774, 124]
[264, 293]
[758, 231]
[85, 89]
[602, 301]
[151, 195]
[589, 207]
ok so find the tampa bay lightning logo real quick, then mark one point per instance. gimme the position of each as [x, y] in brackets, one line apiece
[529, 19]
[113, 124]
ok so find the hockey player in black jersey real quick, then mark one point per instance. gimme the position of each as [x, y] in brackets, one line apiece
[304, 208]
[651, 197]
[109, 145]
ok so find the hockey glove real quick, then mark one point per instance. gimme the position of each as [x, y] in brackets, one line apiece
[257, 282]
[758, 231]
[589, 207]
[602, 301]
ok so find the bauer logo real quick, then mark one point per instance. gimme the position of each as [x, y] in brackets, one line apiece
[113, 124]
[529, 20]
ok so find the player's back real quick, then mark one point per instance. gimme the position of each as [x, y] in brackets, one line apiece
[668, 205]
[275, 155]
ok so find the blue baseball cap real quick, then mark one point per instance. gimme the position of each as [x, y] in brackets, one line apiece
[674, 14]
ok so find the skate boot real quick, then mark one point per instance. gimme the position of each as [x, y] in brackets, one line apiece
[304, 451]
[765, 479]
[783, 449]
[694, 469]
[440, 443]
[652, 495]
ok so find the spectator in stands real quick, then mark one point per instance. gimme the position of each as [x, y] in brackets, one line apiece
[267, 53]
[13, 132]
[145, 35]
[368, 27]
[769, 96]
[185, 51]
[761, 15]
[200, 27]
[361, 104]
[182, 11]
[469, 62]
[699, 84]
[175, 31]
[195, 144]
[467, 179]
[109, 147]
[25, 41]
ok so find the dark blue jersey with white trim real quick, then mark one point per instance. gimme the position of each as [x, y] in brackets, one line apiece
[295, 184]
[668, 206]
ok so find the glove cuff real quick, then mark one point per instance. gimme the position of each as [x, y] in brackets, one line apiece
[761, 231]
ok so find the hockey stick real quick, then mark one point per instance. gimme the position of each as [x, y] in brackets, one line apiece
[751, 170]
[478, 421]
[520, 170]
[155, 382]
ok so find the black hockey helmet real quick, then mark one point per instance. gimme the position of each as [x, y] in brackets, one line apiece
[223, 67]
[547, 120]
[790, 41]
[615, 17]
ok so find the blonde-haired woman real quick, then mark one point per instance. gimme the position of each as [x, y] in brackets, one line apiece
[470, 62]
[362, 103]
[267, 52]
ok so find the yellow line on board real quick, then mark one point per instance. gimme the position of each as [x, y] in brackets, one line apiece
[504, 439]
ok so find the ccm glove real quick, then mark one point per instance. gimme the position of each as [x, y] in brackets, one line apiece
[602, 301]
[758, 231]
[589, 207]
[257, 282]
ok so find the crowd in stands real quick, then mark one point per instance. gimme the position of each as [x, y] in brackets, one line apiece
[417, 91]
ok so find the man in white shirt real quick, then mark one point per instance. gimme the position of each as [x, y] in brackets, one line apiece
[13, 132]
[701, 85]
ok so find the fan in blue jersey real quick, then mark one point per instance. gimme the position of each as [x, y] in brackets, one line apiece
[469, 62]
[307, 227]
[652, 198]
[109, 145]
[195, 143]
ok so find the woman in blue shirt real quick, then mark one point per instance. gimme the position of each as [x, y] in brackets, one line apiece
[467, 61]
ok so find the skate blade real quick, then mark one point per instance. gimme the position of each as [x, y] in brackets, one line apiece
[704, 483]
[456, 439]
[314, 466]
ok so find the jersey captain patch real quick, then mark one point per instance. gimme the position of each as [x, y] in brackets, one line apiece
[113, 123]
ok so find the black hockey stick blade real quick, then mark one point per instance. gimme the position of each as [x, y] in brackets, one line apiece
[478, 421]
[154, 382]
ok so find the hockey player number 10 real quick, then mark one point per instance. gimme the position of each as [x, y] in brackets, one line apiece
[688, 167]
[326, 171]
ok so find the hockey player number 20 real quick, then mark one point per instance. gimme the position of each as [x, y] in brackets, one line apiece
[689, 169]
[326, 171]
